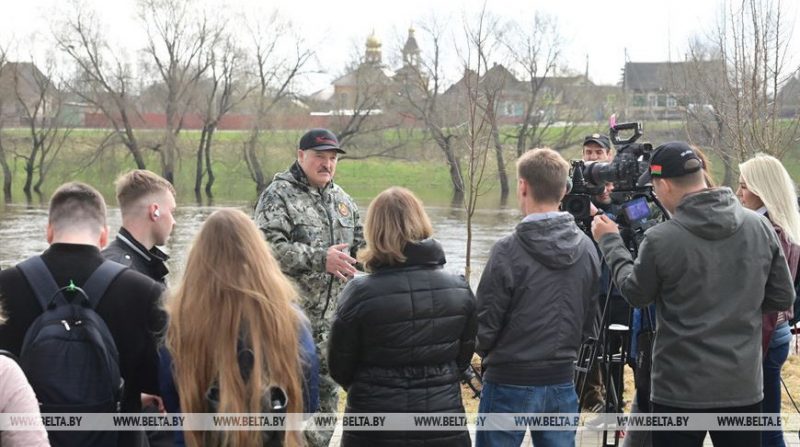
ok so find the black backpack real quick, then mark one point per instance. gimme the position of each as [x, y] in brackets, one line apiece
[68, 354]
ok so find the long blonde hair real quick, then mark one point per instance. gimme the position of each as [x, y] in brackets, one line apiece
[233, 287]
[766, 177]
[394, 218]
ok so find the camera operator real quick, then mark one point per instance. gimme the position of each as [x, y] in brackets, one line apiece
[597, 148]
[709, 297]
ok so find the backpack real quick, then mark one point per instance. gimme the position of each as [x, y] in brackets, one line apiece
[68, 354]
[274, 400]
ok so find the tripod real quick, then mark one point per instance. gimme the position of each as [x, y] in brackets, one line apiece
[610, 350]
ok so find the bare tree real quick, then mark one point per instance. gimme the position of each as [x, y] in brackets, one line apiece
[104, 78]
[178, 38]
[220, 95]
[733, 83]
[6, 97]
[480, 94]
[536, 51]
[278, 59]
[41, 103]
[423, 92]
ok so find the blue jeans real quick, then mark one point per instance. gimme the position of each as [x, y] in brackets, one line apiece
[776, 356]
[499, 398]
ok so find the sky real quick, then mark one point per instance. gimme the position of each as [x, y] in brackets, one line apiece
[606, 32]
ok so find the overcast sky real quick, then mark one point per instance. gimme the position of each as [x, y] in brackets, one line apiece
[649, 30]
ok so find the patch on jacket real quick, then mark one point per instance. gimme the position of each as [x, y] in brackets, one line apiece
[344, 210]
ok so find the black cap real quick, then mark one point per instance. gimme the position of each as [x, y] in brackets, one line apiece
[598, 139]
[320, 140]
[673, 159]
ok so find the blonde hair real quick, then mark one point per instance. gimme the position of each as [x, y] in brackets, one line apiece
[766, 177]
[394, 218]
[545, 170]
[233, 288]
[138, 183]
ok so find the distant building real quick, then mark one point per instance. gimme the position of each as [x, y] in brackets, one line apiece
[663, 90]
[559, 98]
[24, 92]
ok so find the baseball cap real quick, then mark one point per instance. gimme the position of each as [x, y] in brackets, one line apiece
[673, 159]
[598, 139]
[320, 140]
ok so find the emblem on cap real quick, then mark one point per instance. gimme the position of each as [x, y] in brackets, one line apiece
[343, 209]
[595, 135]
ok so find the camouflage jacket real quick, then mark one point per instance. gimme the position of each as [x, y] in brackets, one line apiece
[300, 222]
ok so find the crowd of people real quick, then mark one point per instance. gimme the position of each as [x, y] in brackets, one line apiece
[278, 311]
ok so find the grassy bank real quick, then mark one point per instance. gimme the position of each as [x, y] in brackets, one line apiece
[419, 165]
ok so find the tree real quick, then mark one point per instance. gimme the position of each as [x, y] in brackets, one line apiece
[480, 93]
[422, 93]
[219, 95]
[278, 59]
[105, 79]
[737, 105]
[41, 103]
[536, 52]
[178, 39]
[5, 98]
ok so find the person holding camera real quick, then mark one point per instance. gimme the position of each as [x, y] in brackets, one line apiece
[709, 298]
[537, 289]
[597, 148]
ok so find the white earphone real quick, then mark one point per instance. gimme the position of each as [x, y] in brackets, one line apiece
[156, 213]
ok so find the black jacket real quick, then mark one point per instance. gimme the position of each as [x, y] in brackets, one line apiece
[399, 340]
[130, 309]
[537, 289]
[126, 250]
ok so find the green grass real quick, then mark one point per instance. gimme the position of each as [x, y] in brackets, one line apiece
[423, 168]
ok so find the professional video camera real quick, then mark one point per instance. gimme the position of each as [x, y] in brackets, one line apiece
[631, 195]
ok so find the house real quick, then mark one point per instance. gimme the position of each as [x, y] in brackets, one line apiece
[557, 98]
[25, 92]
[663, 90]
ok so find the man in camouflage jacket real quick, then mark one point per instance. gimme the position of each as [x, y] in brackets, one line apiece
[314, 229]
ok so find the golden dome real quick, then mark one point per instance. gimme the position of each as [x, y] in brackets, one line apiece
[373, 41]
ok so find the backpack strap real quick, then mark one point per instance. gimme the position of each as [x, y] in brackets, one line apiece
[95, 287]
[40, 279]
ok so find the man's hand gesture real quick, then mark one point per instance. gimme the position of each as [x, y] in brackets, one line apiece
[339, 263]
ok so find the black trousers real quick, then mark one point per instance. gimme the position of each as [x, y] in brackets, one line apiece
[695, 438]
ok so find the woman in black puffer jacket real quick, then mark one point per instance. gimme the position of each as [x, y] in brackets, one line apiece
[402, 335]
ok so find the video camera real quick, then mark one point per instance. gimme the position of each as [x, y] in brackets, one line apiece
[624, 171]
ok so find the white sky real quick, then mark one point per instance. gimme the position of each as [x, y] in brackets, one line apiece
[650, 30]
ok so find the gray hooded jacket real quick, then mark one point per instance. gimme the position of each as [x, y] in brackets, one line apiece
[537, 289]
[711, 270]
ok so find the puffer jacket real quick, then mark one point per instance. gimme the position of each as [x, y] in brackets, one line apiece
[399, 340]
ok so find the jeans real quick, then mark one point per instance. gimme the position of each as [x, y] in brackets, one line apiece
[776, 356]
[499, 398]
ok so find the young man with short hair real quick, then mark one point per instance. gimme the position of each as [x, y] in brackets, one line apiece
[538, 288]
[130, 307]
[147, 204]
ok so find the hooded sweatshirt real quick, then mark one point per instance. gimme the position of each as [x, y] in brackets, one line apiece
[539, 285]
[711, 270]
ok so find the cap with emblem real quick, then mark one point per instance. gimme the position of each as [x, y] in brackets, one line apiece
[598, 139]
[320, 140]
[673, 159]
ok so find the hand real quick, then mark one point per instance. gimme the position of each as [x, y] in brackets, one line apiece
[339, 263]
[602, 225]
[152, 399]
